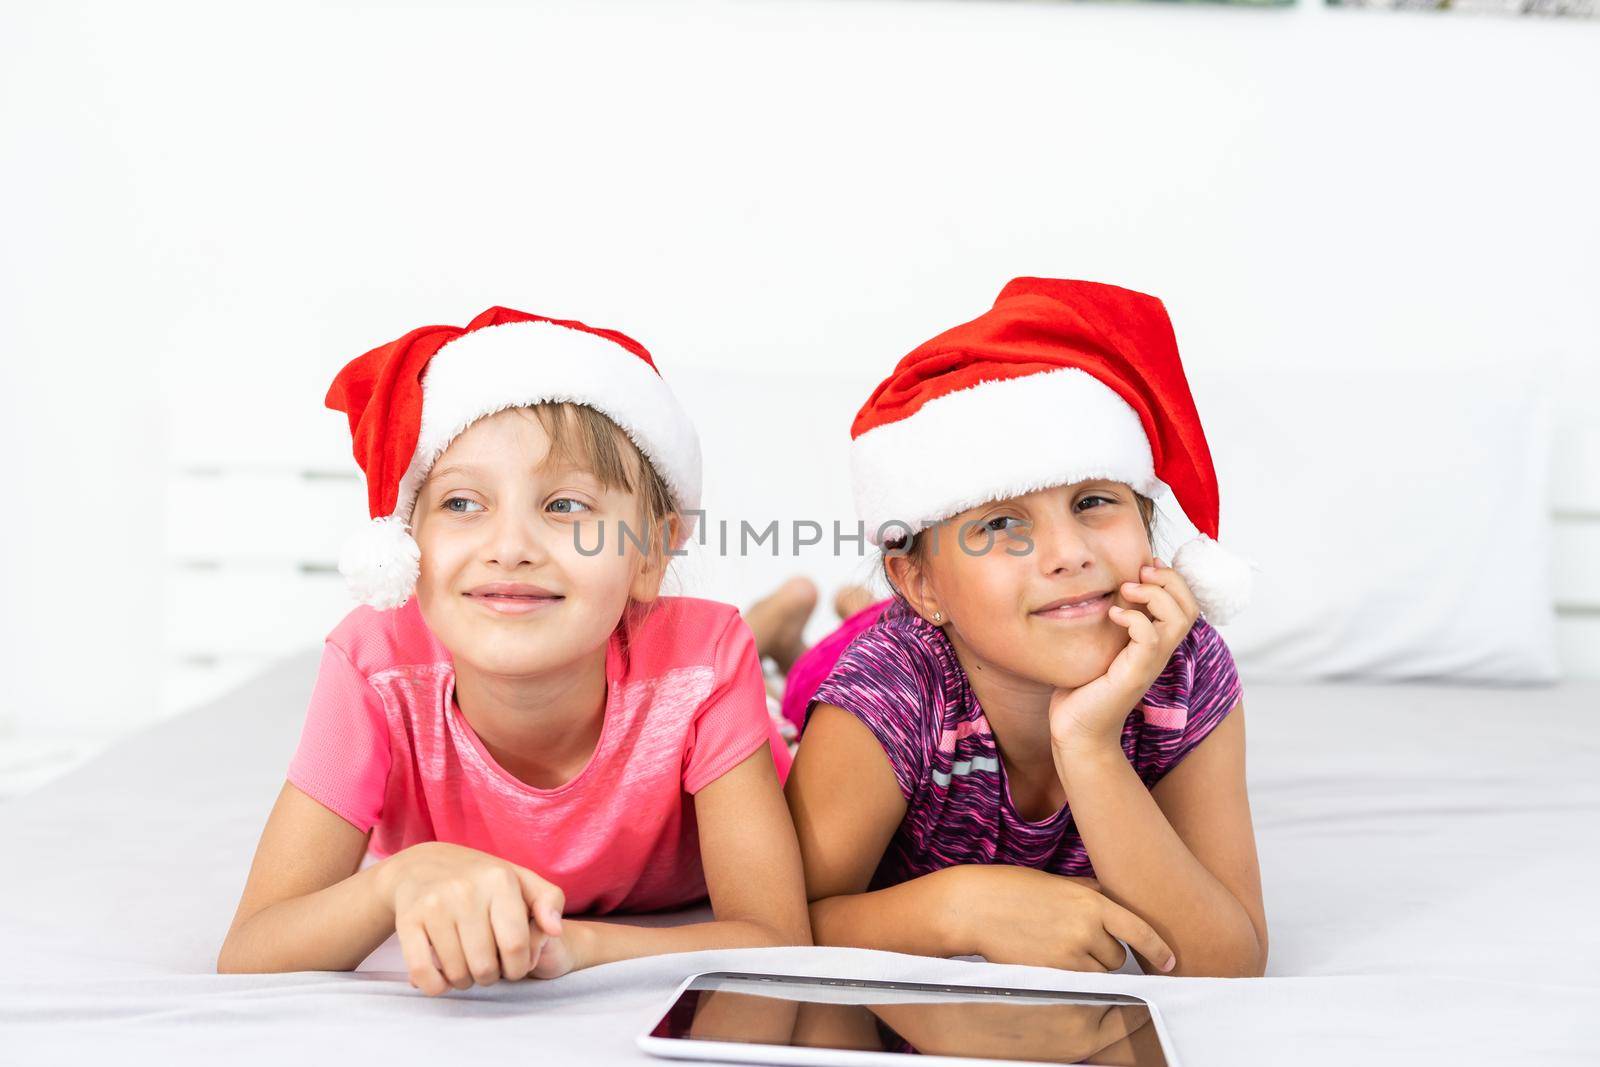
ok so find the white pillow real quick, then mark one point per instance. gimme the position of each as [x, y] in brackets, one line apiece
[1402, 522]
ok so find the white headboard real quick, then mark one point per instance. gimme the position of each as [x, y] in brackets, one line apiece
[253, 577]
[1576, 547]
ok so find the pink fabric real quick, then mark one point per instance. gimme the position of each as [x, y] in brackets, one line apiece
[949, 738]
[385, 746]
[812, 666]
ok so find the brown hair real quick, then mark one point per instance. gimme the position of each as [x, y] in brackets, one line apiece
[917, 549]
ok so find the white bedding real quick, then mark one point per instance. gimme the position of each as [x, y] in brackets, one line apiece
[1429, 857]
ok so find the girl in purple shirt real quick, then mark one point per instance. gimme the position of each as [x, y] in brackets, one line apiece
[1034, 751]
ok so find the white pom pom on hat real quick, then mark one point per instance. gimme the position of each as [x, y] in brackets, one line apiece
[1078, 380]
[380, 563]
[407, 400]
[1220, 580]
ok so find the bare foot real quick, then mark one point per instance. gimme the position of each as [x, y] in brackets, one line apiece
[778, 621]
[851, 599]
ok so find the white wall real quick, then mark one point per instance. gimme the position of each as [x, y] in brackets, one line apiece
[208, 210]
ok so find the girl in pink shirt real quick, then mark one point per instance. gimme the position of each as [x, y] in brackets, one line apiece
[515, 725]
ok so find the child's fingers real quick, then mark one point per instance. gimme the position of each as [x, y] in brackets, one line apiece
[478, 948]
[1163, 605]
[549, 911]
[513, 937]
[545, 901]
[539, 942]
[1108, 951]
[1140, 935]
[1082, 961]
[1169, 579]
[446, 944]
[1140, 629]
[419, 958]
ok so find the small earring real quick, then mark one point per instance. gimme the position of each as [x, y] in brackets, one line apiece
[938, 617]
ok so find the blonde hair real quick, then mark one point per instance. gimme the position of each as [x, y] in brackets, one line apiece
[587, 438]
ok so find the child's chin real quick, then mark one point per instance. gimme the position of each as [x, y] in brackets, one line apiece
[1074, 672]
[513, 652]
[517, 664]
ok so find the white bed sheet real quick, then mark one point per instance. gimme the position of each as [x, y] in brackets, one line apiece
[1429, 856]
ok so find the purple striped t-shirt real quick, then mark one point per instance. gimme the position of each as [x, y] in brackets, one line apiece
[901, 678]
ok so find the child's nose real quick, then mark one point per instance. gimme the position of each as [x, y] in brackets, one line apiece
[516, 539]
[1061, 547]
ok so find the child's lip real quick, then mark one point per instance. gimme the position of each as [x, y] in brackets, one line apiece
[1076, 609]
[514, 598]
[513, 589]
[1072, 601]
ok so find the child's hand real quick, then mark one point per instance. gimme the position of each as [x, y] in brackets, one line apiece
[568, 952]
[1012, 914]
[1092, 715]
[464, 916]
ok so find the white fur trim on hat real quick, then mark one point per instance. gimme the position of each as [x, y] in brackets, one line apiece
[1001, 439]
[993, 441]
[518, 364]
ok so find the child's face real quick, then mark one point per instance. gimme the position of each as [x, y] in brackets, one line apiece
[494, 511]
[1086, 538]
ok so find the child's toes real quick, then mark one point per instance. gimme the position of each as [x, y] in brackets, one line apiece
[778, 620]
[851, 599]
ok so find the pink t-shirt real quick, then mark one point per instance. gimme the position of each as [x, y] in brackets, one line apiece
[386, 747]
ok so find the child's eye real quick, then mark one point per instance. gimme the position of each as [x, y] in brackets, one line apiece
[1003, 522]
[1102, 499]
[566, 506]
[449, 505]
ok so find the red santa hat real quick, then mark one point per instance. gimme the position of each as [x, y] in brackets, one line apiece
[1076, 380]
[408, 399]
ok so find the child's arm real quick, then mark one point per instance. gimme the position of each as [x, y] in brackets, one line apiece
[1193, 875]
[306, 906]
[847, 806]
[752, 869]
[1183, 855]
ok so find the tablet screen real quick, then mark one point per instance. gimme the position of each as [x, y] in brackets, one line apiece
[915, 1019]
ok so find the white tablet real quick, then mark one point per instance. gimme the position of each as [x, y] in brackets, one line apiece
[792, 1019]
